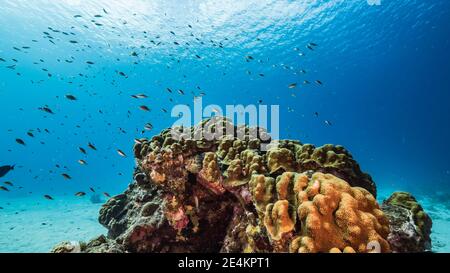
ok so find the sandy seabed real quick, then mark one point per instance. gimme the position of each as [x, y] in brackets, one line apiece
[36, 224]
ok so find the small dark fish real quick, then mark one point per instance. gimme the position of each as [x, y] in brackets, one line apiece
[134, 54]
[5, 169]
[122, 154]
[141, 96]
[70, 97]
[80, 193]
[73, 42]
[92, 189]
[318, 82]
[82, 150]
[148, 127]
[292, 85]
[3, 188]
[106, 194]
[66, 176]
[8, 183]
[20, 141]
[90, 145]
[46, 109]
[181, 92]
[89, 62]
[77, 16]
[30, 134]
[82, 162]
[48, 197]
[327, 122]
[313, 44]
[144, 108]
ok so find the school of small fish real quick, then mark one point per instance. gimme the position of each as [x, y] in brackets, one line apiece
[78, 91]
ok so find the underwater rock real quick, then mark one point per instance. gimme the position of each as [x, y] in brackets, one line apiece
[229, 194]
[410, 226]
[67, 247]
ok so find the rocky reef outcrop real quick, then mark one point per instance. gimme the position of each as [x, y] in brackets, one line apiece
[238, 191]
[410, 226]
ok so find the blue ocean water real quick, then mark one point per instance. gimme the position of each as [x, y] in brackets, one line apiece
[384, 71]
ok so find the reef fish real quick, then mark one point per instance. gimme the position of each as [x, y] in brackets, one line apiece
[5, 169]
[66, 176]
[48, 197]
[70, 97]
[144, 108]
[90, 145]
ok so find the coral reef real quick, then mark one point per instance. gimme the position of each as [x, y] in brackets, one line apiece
[217, 187]
[410, 226]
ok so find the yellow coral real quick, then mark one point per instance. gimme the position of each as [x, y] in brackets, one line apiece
[280, 159]
[240, 170]
[262, 189]
[278, 220]
[210, 176]
[335, 215]
[289, 184]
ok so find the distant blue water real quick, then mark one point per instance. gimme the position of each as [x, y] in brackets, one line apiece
[385, 72]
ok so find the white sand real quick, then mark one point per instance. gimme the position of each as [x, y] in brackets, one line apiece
[440, 215]
[36, 225]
